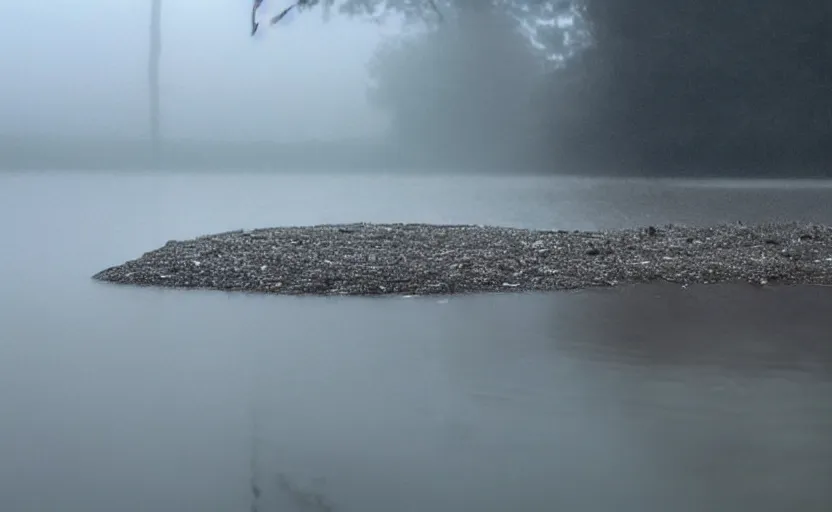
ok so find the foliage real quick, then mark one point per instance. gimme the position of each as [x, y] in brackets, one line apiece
[647, 83]
[461, 90]
[672, 82]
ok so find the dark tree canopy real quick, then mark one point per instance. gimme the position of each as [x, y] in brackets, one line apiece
[680, 83]
[648, 85]
[461, 92]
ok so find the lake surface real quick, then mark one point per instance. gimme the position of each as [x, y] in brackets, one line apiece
[648, 398]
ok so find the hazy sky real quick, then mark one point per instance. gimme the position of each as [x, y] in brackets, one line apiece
[79, 68]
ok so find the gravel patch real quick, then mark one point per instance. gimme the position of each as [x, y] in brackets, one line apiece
[424, 259]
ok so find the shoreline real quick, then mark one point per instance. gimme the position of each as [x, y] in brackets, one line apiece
[366, 259]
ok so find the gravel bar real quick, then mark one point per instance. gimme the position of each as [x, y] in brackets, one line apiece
[427, 259]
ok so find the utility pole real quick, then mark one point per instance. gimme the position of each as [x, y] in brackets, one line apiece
[153, 74]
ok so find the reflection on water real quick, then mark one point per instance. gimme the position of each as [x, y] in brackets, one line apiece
[729, 387]
[647, 398]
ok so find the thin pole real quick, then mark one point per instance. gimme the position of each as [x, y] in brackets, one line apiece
[153, 73]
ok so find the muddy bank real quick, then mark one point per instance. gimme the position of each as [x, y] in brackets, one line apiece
[373, 259]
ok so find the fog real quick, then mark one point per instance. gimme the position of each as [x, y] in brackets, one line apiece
[567, 87]
[79, 70]
[350, 90]
[645, 398]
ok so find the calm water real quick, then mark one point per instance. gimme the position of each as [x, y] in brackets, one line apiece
[649, 398]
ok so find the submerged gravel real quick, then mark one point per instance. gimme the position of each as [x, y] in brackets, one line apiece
[373, 259]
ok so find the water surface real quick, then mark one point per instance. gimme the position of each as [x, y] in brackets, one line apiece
[646, 398]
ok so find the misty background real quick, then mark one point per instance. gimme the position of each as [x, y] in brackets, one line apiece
[80, 70]
[645, 398]
[588, 86]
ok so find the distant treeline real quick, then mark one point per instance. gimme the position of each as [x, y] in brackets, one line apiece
[637, 87]
[324, 156]
[675, 84]
[660, 87]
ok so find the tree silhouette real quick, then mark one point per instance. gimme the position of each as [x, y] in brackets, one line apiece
[673, 84]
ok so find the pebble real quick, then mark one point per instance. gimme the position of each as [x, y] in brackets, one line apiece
[427, 259]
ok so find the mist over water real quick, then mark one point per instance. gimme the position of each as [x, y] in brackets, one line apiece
[642, 398]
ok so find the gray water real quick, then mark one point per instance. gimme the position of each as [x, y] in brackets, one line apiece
[648, 398]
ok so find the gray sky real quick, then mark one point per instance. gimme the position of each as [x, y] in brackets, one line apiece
[79, 68]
